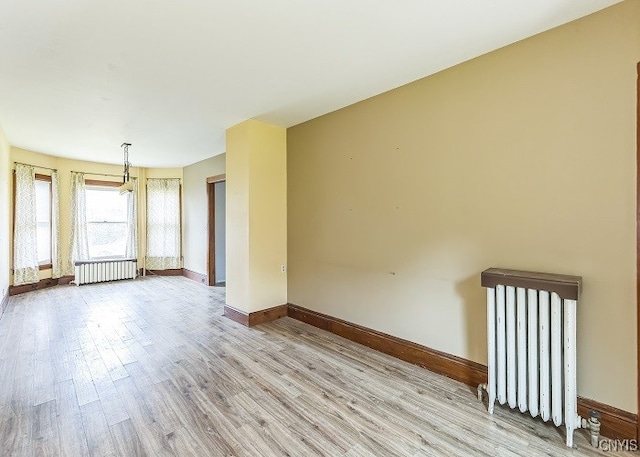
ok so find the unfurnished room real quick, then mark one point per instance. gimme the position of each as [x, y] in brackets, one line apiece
[336, 228]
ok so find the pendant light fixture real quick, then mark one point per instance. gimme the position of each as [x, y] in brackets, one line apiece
[127, 184]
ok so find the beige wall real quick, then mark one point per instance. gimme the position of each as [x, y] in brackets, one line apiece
[5, 219]
[268, 218]
[92, 170]
[522, 158]
[196, 211]
[256, 230]
[237, 171]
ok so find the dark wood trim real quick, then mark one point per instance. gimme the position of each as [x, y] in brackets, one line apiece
[4, 303]
[42, 284]
[41, 177]
[45, 266]
[211, 227]
[65, 280]
[267, 315]
[567, 287]
[197, 277]
[211, 233]
[638, 241]
[257, 317]
[101, 183]
[240, 317]
[216, 178]
[171, 272]
[615, 423]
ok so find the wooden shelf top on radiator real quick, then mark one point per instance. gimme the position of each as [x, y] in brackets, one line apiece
[566, 286]
[85, 262]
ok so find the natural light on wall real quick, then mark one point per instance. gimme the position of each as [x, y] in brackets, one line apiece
[106, 222]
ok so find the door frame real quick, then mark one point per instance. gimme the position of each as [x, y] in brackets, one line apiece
[638, 243]
[211, 227]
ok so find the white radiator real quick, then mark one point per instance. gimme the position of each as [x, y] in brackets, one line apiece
[531, 329]
[90, 271]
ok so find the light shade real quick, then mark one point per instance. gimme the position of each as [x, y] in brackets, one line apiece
[126, 187]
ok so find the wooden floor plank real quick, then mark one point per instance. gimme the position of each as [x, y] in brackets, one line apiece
[71, 432]
[99, 440]
[151, 367]
[126, 440]
[44, 430]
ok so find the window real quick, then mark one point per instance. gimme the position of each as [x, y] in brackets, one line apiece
[43, 219]
[106, 222]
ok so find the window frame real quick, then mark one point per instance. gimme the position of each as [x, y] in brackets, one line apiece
[45, 178]
[101, 183]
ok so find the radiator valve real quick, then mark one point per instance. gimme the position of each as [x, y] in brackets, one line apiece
[593, 424]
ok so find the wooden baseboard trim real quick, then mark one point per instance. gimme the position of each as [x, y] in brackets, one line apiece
[256, 318]
[236, 315]
[615, 423]
[197, 277]
[66, 279]
[42, 284]
[267, 315]
[171, 272]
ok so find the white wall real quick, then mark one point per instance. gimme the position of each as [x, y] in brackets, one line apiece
[195, 209]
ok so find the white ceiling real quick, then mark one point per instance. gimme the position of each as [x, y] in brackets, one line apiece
[78, 77]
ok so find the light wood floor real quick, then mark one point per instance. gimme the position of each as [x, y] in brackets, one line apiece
[150, 367]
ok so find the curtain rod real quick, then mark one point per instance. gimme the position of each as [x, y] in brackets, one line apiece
[35, 166]
[101, 174]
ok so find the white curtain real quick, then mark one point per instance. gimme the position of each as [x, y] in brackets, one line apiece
[25, 233]
[163, 224]
[131, 251]
[79, 246]
[56, 258]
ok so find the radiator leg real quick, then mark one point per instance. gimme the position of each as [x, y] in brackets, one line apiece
[492, 402]
[570, 427]
[481, 387]
[491, 397]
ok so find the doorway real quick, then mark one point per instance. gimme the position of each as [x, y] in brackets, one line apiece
[216, 226]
